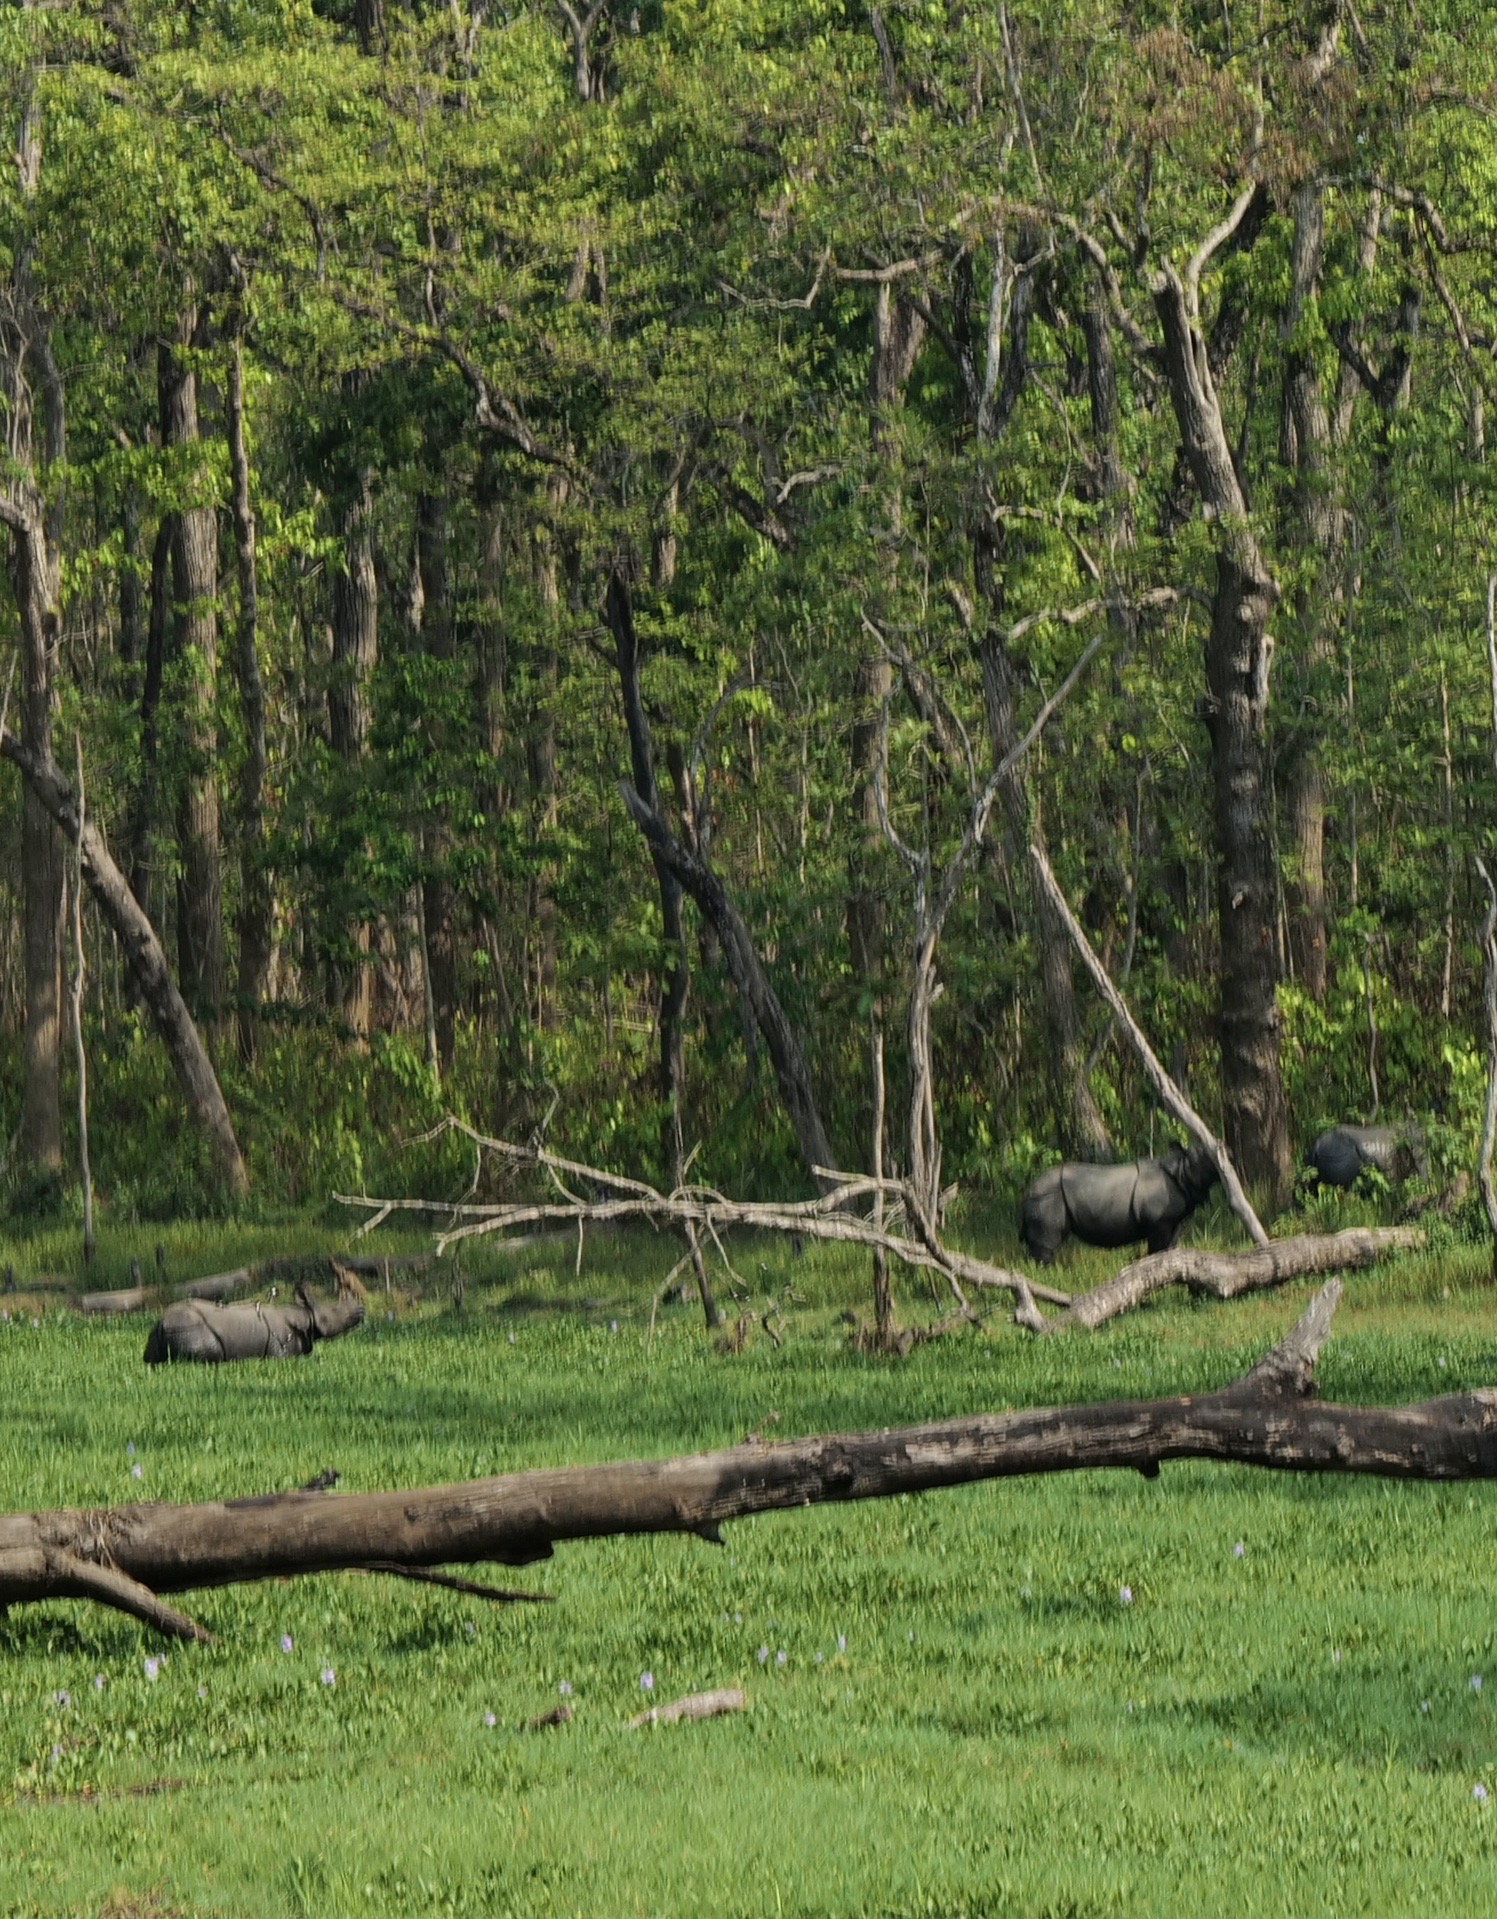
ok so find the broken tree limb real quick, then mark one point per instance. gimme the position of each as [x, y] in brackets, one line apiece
[696, 1705]
[124, 1556]
[1227, 1275]
[1171, 1096]
[143, 954]
[826, 1217]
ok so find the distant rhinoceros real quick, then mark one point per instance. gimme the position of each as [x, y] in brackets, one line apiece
[1343, 1153]
[199, 1330]
[1147, 1199]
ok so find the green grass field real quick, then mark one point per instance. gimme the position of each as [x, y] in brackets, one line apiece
[1297, 1728]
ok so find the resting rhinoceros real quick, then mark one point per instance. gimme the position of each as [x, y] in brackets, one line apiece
[1147, 1199]
[197, 1329]
[1343, 1153]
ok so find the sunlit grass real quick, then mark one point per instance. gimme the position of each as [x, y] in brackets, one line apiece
[1002, 1734]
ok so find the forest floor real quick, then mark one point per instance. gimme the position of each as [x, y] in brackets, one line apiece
[1220, 1691]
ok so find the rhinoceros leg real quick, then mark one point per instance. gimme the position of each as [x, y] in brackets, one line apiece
[1045, 1223]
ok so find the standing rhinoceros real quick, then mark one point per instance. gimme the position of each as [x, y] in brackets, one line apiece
[1343, 1153]
[197, 1329]
[1147, 1199]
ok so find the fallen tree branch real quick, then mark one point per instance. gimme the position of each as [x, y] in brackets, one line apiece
[1227, 1275]
[1173, 1099]
[703, 1208]
[696, 1705]
[123, 1556]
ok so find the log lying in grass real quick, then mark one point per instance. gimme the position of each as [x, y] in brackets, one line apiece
[125, 1556]
[129, 1299]
[696, 1705]
[220, 1286]
[1227, 1275]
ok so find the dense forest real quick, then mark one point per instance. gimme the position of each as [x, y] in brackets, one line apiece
[541, 531]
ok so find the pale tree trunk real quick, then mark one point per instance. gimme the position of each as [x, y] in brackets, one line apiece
[254, 926]
[540, 759]
[355, 654]
[1239, 651]
[439, 637]
[1314, 525]
[1080, 1119]
[144, 957]
[898, 334]
[195, 592]
[143, 820]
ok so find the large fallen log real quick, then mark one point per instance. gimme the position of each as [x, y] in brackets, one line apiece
[1228, 1275]
[125, 1556]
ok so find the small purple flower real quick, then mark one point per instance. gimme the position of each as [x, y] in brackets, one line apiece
[489, 1719]
[1336, 1657]
[1476, 1682]
[98, 1682]
[781, 1656]
[1479, 1793]
[1424, 1705]
[153, 1670]
[565, 1688]
[129, 1449]
[137, 1472]
[613, 1325]
[202, 1692]
[511, 1339]
[287, 1642]
[329, 1677]
[647, 1682]
[819, 1657]
[842, 1642]
[763, 1654]
[62, 1700]
[1125, 1595]
[738, 1619]
[1238, 1550]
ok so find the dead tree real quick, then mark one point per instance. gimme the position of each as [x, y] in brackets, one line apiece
[143, 956]
[125, 1557]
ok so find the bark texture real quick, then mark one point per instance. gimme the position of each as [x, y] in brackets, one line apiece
[254, 919]
[200, 955]
[1239, 653]
[438, 632]
[355, 655]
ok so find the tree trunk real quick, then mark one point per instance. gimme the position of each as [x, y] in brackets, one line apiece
[749, 976]
[1082, 1128]
[35, 582]
[1239, 651]
[254, 883]
[143, 820]
[355, 654]
[144, 957]
[1314, 526]
[540, 757]
[195, 589]
[439, 636]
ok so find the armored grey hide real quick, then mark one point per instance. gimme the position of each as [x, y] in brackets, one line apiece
[1148, 1199]
[196, 1329]
[1343, 1153]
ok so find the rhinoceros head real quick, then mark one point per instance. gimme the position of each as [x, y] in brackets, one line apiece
[1192, 1169]
[333, 1317]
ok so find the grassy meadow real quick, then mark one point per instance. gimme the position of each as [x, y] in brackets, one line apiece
[954, 1711]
